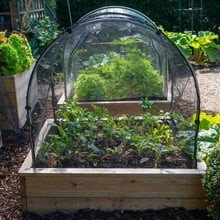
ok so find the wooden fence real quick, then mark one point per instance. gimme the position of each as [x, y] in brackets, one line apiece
[12, 12]
[36, 9]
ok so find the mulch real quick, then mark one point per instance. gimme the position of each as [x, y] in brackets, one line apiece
[12, 155]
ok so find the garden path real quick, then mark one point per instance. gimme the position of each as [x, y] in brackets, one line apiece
[209, 86]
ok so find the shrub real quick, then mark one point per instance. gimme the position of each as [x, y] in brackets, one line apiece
[211, 183]
[89, 87]
[41, 33]
[200, 48]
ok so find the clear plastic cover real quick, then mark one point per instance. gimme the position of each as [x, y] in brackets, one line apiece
[112, 54]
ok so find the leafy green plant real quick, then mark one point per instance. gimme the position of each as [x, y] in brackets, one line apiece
[211, 183]
[8, 55]
[41, 33]
[204, 47]
[182, 39]
[208, 135]
[128, 74]
[200, 48]
[15, 54]
[94, 136]
[59, 76]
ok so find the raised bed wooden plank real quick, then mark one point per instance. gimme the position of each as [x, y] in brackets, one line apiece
[124, 107]
[45, 205]
[101, 185]
[107, 189]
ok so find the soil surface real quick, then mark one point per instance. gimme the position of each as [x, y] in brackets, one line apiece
[15, 149]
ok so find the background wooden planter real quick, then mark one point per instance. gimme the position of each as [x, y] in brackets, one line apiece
[51, 189]
[13, 99]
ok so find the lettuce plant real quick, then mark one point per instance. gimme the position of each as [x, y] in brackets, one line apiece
[128, 73]
[15, 54]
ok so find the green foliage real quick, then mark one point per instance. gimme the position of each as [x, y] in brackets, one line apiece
[204, 47]
[211, 183]
[209, 151]
[208, 136]
[94, 135]
[113, 76]
[8, 60]
[59, 76]
[15, 55]
[23, 50]
[200, 48]
[207, 120]
[90, 87]
[42, 32]
[182, 40]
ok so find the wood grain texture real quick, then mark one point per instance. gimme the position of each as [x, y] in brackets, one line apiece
[13, 99]
[125, 107]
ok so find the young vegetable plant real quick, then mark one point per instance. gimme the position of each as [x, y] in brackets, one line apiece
[94, 137]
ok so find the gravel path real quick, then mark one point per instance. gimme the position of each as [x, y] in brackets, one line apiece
[209, 86]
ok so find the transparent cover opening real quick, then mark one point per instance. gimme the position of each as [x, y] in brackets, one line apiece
[115, 61]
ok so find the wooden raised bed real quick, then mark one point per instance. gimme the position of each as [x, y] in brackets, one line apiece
[70, 189]
[13, 99]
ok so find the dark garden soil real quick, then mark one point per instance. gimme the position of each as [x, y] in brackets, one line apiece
[127, 159]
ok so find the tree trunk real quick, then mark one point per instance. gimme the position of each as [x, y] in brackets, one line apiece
[24, 25]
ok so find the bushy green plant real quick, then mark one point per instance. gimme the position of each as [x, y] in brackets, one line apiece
[208, 135]
[211, 183]
[116, 76]
[8, 60]
[200, 47]
[20, 43]
[41, 33]
[15, 54]
[90, 87]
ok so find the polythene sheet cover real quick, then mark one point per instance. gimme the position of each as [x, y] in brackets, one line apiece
[112, 55]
